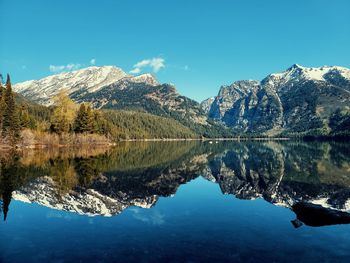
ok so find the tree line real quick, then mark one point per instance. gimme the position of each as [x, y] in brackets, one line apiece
[68, 117]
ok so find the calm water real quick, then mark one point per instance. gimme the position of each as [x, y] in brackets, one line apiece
[178, 202]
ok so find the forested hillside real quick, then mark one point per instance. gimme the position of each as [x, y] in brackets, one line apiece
[23, 122]
[140, 125]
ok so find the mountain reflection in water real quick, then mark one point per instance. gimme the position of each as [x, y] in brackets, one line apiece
[310, 178]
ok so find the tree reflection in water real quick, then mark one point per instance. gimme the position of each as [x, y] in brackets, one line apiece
[103, 181]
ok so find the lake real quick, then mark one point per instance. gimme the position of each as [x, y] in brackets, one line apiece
[177, 202]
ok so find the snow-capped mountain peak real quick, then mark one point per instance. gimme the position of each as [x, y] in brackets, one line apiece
[299, 73]
[86, 80]
[90, 79]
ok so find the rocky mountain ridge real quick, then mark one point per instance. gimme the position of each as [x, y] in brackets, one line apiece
[299, 100]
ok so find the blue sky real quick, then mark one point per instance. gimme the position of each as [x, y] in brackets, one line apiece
[196, 45]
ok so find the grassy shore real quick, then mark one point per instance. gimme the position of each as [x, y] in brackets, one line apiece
[36, 139]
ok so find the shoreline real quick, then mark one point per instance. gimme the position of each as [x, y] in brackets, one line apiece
[208, 139]
[7, 147]
[4, 147]
[47, 146]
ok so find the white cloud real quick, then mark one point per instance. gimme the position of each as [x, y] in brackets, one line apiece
[68, 67]
[155, 64]
[93, 61]
[135, 71]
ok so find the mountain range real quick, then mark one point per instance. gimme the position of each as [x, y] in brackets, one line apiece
[299, 100]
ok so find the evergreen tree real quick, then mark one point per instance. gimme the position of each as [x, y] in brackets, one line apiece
[79, 120]
[90, 119]
[25, 121]
[84, 121]
[98, 123]
[10, 123]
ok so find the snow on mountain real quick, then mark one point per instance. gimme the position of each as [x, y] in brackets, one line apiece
[89, 80]
[145, 78]
[300, 73]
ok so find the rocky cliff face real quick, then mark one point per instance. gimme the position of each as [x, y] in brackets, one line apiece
[206, 104]
[299, 99]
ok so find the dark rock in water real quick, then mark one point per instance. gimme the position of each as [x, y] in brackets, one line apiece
[317, 215]
[296, 223]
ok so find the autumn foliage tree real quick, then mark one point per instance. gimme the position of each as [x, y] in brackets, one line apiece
[62, 120]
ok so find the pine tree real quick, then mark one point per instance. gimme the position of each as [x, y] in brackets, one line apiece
[24, 117]
[79, 120]
[10, 123]
[84, 121]
[90, 120]
[98, 122]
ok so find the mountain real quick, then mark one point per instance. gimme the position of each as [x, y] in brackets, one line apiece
[145, 94]
[109, 87]
[89, 79]
[206, 104]
[298, 100]
[83, 81]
